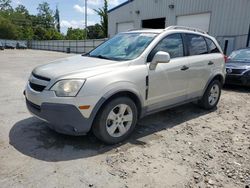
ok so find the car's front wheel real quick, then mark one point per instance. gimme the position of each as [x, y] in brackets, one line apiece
[212, 95]
[116, 120]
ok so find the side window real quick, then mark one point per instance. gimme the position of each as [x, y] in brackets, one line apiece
[172, 44]
[212, 48]
[196, 45]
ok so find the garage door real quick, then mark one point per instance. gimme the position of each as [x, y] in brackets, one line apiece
[200, 21]
[121, 27]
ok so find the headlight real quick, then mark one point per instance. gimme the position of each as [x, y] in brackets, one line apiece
[67, 88]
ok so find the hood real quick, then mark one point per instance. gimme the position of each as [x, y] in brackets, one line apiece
[238, 64]
[86, 66]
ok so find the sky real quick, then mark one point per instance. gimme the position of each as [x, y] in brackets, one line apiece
[71, 11]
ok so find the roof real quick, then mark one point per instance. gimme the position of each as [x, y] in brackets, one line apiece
[121, 5]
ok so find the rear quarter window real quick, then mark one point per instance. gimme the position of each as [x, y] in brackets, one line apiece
[212, 48]
[196, 44]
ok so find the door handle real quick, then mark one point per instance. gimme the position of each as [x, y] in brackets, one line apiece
[184, 68]
[210, 63]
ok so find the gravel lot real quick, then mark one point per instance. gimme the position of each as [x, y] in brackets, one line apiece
[182, 147]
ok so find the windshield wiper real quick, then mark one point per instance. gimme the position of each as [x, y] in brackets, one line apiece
[100, 56]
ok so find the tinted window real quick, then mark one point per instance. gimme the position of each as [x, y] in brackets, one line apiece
[212, 48]
[172, 44]
[196, 45]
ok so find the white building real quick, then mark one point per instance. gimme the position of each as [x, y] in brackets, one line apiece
[227, 20]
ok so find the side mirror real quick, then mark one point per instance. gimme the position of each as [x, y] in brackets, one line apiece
[160, 57]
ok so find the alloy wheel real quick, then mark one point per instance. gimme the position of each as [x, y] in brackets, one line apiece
[119, 120]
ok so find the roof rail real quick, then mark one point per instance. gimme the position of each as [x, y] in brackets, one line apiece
[186, 28]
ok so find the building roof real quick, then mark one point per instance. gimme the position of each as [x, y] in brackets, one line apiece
[121, 5]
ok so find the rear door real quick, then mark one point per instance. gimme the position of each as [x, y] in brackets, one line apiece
[199, 64]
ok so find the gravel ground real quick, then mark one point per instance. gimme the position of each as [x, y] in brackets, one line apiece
[181, 147]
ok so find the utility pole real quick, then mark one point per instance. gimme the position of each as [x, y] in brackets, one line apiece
[86, 25]
[86, 19]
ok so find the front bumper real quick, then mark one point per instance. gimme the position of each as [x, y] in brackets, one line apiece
[238, 80]
[63, 118]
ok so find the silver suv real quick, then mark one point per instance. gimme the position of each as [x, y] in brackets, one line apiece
[134, 74]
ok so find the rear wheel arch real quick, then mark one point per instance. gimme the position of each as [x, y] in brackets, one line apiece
[218, 77]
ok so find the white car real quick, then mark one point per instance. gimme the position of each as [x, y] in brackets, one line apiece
[134, 74]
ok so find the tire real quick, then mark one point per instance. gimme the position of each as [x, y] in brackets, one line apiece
[116, 120]
[212, 95]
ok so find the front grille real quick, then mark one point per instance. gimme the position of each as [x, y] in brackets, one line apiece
[237, 71]
[37, 87]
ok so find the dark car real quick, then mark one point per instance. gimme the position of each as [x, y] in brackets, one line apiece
[10, 45]
[1, 46]
[238, 67]
[21, 45]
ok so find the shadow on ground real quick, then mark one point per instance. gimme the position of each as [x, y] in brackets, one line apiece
[33, 138]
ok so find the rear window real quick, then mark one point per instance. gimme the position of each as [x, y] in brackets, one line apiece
[196, 45]
[212, 48]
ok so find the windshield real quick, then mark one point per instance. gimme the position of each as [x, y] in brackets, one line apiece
[240, 55]
[124, 46]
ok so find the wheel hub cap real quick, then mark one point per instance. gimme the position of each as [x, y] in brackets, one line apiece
[214, 95]
[119, 120]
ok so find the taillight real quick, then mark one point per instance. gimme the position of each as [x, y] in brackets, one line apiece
[225, 58]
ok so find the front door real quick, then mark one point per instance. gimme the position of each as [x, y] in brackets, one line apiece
[168, 82]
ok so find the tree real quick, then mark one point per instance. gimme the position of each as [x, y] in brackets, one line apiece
[19, 24]
[103, 13]
[5, 5]
[22, 10]
[39, 33]
[75, 34]
[57, 20]
[7, 29]
[45, 15]
[95, 31]
[52, 34]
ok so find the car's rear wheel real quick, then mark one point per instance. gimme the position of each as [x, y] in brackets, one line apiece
[212, 95]
[116, 120]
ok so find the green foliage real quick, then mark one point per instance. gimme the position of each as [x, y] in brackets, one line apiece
[7, 29]
[22, 10]
[19, 24]
[103, 13]
[95, 32]
[52, 34]
[75, 34]
[5, 5]
[45, 15]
